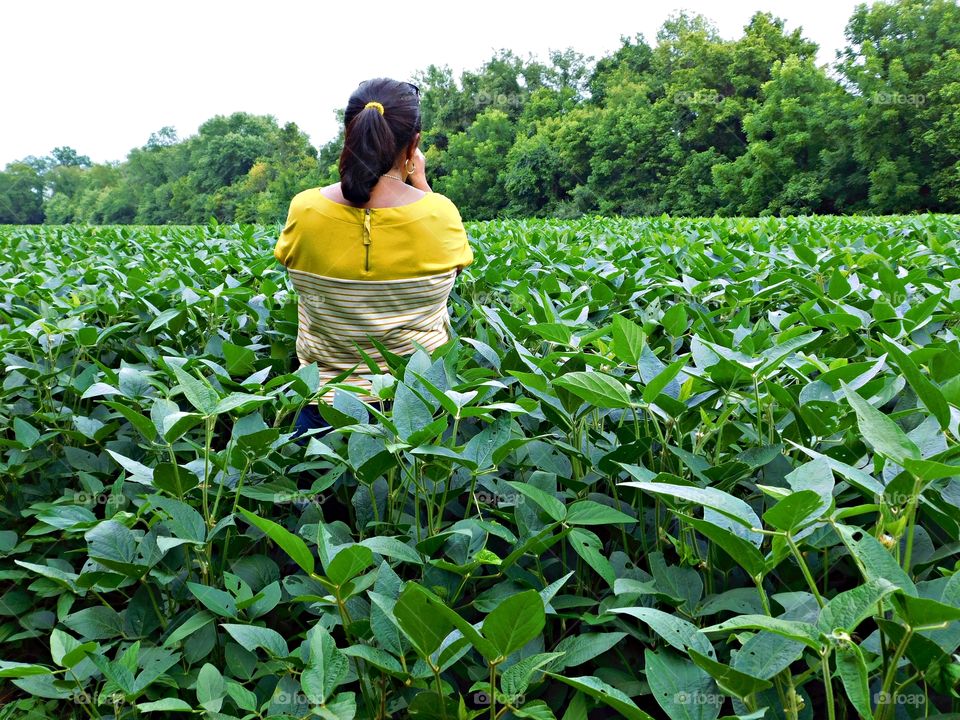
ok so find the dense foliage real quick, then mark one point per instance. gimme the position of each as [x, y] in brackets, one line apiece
[670, 469]
[693, 125]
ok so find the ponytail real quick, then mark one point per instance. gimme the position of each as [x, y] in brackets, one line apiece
[372, 140]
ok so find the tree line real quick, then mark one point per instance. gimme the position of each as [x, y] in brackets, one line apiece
[692, 124]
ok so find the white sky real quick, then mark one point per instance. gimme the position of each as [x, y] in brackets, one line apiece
[101, 76]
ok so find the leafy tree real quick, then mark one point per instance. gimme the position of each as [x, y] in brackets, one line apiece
[21, 194]
[474, 164]
[797, 139]
[894, 62]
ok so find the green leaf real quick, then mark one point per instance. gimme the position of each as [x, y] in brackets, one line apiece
[216, 600]
[729, 679]
[657, 385]
[25, 433]
[610, 696]
[848, 609]
[793, 511]
[199, 393]
[326, 668]
[741, 551]
[588, 512]
[803, 632]
[550, 505]
[578, 649]
[676, 631]
[348, 563]
[391, 547]
[853, 673]
[251, 637]
[684, 691]
[929, 393]
[425, 628]
[873, 559]
[167, 704]
[597, 388]
[95, 623]
[19, 669]
[588, 546]
[627, 340]
[515, 621]
[724, 503]
[917, 611]
[188, 627]
[516, 678]
[886, 437]
[291, 544]
[211, 689]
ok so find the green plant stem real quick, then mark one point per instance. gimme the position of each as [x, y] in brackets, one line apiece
[804, 569]
[828, 684]
[153, 601]
[885, 707]
[436, 677]
[233, 511]
[911, 523]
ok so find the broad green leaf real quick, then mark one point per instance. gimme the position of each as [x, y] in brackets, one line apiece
[886, 437]
[610, 696]
[917, 611]
[853, 673]
[683, 690]
[596, 388]
[167, 704]
[732, 507]
[729, 679]
[198, 392]
[803, 632]
[873, 559]
[794, 511]
[515, 621]
[587, 545]
[657, 385]
[578, 649]
[18, 669]
[742, 552]
[553, 507]
[628, 340]
[676, 631]
[848, 609]
[425, 628]
[516, 678]
[188, 627]
[929, 393]
[291, 544]
[216, 600]
[211, 689]
[326, 668]
[251, 637]
[348, 563]
[588, 512]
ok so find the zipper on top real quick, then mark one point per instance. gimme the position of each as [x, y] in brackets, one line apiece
[366, 239]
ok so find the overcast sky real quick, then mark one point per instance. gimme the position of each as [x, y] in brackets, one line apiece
[102, 76]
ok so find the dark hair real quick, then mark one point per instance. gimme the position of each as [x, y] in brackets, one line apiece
[373, 140]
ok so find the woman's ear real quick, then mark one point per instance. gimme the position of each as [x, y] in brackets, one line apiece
[414, 144]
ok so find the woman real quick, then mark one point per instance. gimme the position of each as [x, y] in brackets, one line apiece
[376, 254]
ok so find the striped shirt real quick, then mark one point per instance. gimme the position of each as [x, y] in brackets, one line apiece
[361, 273]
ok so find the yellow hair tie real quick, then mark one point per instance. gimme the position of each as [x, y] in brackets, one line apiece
[374, 103]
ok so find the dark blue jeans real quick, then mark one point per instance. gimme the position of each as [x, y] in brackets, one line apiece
[309, 417]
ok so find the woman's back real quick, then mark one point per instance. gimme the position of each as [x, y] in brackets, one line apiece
[361, 272]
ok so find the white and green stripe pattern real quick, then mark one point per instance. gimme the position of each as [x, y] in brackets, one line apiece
[334, 313]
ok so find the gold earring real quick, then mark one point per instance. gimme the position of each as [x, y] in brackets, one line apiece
[410, 171]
